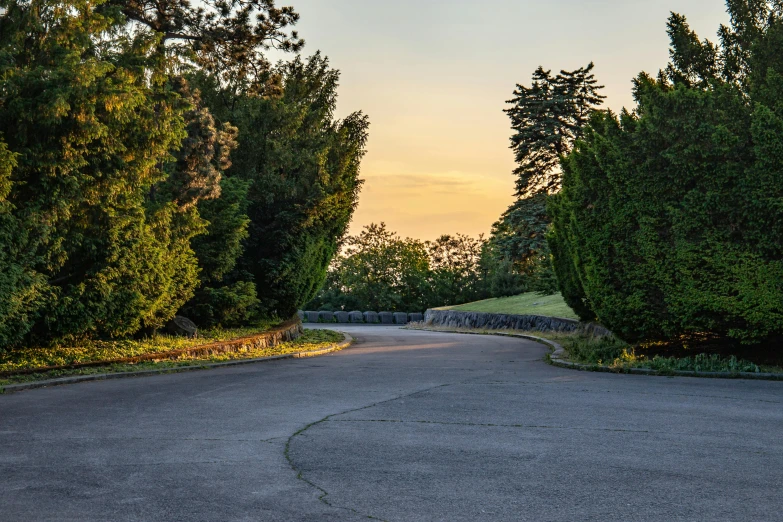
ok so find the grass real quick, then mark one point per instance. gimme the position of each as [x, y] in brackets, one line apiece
[613, 353]
[525, 304]
[310, 341]
[91, 351]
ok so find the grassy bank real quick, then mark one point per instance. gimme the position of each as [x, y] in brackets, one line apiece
[525, 304]
[311, 340]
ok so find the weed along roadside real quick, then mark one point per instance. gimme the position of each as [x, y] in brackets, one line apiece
[587, 347]
[287, 342]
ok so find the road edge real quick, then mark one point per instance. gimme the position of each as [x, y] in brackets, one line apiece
[557, 358]
[11, 388]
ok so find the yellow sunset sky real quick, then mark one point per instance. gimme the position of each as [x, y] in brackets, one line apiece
[433, 76]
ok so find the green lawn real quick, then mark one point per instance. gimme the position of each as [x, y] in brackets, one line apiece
[311, 340]
[525, 304]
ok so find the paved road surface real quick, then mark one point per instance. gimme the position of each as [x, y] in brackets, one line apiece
[403, 426]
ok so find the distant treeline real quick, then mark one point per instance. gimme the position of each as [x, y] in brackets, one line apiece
[153, 162]
[378, 270]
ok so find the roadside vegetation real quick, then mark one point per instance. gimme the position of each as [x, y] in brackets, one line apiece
[155, 163]
[311, 340]
[663, 223]
[379, 270]
[611, 352]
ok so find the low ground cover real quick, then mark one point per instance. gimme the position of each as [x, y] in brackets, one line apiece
[613, 353]
[530, 303]
[91, 350]
[311, 340]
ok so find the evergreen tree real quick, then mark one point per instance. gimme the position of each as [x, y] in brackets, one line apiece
[111, 155]
[671, 217]
[226, 295]
[90, 136]
[546, 119]
[226, 38]
[303, 166]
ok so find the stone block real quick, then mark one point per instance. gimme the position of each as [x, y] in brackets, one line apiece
[312, 317]
[182, 327]
[371, 317]
[400, 318]
[357, 317]
[343, 317]
[386, 317]
[326, 317]
[415, 318]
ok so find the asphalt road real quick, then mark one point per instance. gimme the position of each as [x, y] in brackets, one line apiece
[403, 426]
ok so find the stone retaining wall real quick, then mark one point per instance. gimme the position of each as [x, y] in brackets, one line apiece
[387, 318]
[528, 323]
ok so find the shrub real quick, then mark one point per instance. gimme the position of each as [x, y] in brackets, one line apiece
[671, 217]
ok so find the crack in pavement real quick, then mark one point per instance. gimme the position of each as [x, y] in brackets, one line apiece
[16, 466]
[324, 493]
[489, 425]
[141, 439]
[634, 392]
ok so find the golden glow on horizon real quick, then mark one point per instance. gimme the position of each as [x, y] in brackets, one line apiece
[433, 76]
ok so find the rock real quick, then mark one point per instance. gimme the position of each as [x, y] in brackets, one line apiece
[371, 318]
[357, 317]
[312, 317]
[343, 317]
[182, 327]
[400, 318]
[415, 318]
[326, 317]
[386, 317]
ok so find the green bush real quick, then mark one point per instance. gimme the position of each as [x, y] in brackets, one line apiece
[303, 166]
[671, 217]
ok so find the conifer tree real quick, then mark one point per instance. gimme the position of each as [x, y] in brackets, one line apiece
[226, 38]
[546, 119]
[670, 222]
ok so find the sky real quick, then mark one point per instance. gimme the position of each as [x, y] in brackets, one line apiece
[434, 75]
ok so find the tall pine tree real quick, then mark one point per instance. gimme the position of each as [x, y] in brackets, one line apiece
[546, 119]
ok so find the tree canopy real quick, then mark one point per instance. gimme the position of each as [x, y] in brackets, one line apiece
[127, 192]
[669, 222]
[546, 119]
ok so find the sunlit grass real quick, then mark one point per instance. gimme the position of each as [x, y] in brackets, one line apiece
[525, 304]
[311, 340]
[91, 350]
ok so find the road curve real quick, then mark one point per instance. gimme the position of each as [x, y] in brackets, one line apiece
[403, 426]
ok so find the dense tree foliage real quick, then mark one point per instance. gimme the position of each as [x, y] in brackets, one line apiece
[226, 38]
[546, 119]
[303, 165]
[92, 138]
[456, 275]
[670, 222]
[116, 210]
[378, 270]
